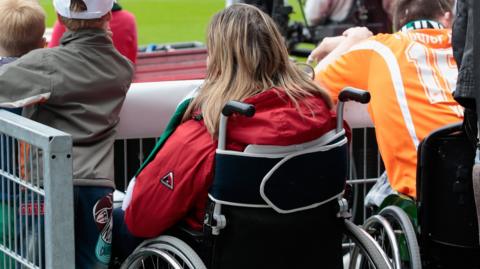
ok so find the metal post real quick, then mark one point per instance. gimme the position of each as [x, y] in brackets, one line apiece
[36, 171]
[59, 204]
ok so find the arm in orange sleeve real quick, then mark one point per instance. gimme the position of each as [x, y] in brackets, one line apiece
[349, 70]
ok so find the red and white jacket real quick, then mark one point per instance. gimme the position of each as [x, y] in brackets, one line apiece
[174, 186]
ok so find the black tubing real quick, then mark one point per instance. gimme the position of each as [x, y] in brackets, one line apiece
[238, 107]
[353, 94]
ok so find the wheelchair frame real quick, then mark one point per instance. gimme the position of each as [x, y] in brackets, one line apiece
[412, 247]
[393, 230]
[177, 254]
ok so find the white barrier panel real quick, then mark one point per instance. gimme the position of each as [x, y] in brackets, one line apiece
[356, 115]
[149, 106]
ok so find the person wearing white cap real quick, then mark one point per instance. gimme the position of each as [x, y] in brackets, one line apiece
[83, 10]
[79, 88]
[123, 26]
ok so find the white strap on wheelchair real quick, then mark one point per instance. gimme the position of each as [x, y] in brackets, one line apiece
[287, 153]
[288, 157]
[218, 201]
[267, 149]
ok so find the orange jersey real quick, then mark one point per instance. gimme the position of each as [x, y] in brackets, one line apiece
[411, 76]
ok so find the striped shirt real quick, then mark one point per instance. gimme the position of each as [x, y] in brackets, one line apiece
[410, 75]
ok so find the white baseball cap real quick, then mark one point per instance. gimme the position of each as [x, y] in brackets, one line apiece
[95, 9]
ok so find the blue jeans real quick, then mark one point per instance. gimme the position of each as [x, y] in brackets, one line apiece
[93, 226]
[124, 243]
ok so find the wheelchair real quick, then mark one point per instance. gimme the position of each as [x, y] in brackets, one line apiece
[440, 229]
[272, 207]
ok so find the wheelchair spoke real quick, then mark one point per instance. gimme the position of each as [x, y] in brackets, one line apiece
[164, 252]
[406, 240]
[367, 253]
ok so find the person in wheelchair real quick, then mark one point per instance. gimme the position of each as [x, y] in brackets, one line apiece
[410, 74]
[248, 62]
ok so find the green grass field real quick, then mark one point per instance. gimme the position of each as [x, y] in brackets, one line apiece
[166, 21]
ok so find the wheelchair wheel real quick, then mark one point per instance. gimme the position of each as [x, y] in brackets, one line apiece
[394, 232]
[363, 252]
[164, 252]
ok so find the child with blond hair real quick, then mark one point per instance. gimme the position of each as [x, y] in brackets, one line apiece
[23, 25]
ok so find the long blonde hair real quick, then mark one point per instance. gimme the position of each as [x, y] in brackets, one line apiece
[246, 56]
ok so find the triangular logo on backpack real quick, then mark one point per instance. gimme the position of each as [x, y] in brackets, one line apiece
[167, 180]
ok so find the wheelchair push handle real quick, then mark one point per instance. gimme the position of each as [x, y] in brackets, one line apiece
[229, 109]
[349, 94]
[238, 107]
[354, 94]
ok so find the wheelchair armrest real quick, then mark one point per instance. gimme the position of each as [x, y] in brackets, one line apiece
[187, 234]
[197, 235]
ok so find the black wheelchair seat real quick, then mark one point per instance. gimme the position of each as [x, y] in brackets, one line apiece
[271, 197]
[286, 179]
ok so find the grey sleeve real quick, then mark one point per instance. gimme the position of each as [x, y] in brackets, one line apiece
[463, 51]
[459, 31]
[26, 81]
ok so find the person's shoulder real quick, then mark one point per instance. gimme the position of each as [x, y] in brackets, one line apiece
[432, 38]
[123, 14]
[123, 22]
[394, 41]
[36, 57]
[193, 134]
[125, 62]
[387, 37]
[41, 52]
[277, 99]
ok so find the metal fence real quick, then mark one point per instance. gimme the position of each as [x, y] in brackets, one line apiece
[366, 167]
[129, 155]
[36, 191]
